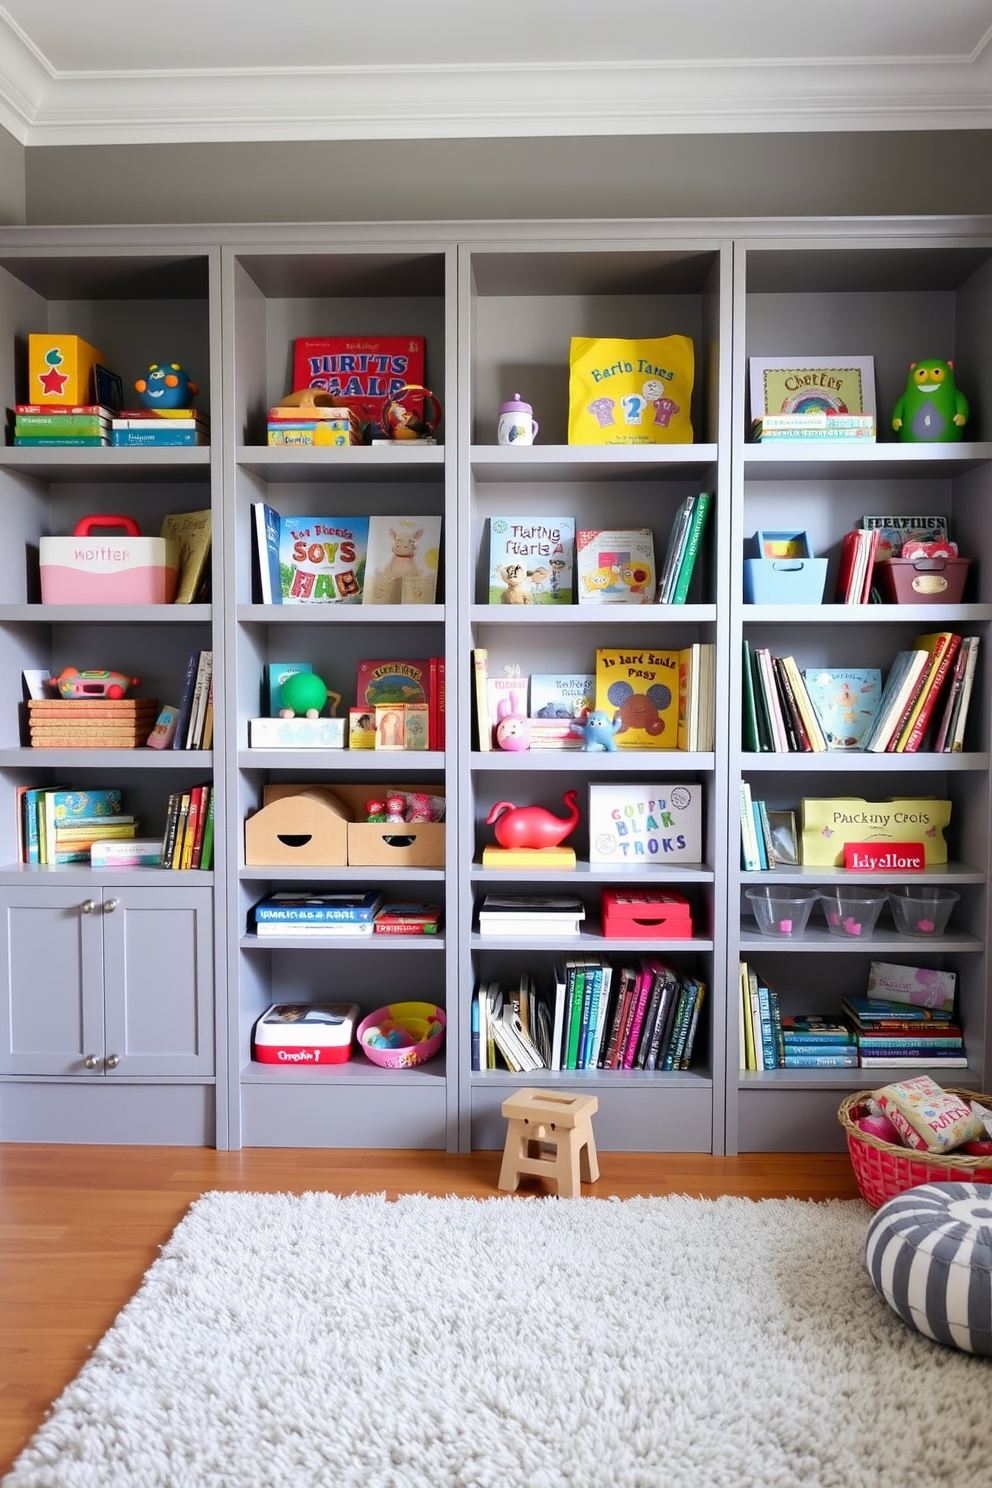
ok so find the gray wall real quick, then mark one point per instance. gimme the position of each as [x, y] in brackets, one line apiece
[12, 176]
[644, 176]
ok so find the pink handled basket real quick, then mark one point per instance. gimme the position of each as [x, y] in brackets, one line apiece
[884, 1169]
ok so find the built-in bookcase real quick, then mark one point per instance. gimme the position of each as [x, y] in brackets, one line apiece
[497, 305]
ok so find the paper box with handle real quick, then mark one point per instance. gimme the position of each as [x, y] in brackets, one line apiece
[830, 822]
[107, 561]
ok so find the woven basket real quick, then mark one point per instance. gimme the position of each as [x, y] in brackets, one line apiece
[884, 1169]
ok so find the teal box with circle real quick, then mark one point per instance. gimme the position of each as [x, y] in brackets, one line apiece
[781, 569]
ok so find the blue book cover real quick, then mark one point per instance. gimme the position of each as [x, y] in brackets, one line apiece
[157, 438]
[267, 523]
[308, 909]
[845, 700]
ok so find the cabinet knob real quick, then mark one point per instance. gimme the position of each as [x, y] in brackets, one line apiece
[109, 905]
[92, 1061]
[87, 906]
[112, 1061]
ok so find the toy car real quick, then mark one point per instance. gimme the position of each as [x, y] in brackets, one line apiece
[72, 683]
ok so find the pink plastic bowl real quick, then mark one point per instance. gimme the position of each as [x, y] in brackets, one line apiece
[410, 1018]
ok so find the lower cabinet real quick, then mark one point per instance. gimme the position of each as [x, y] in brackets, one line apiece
[107, 996]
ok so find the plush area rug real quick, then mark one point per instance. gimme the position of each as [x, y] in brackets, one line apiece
[283, 1341]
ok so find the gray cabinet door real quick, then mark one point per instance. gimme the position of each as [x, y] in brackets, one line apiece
[107, 982]
[51, 962]
[158, 981]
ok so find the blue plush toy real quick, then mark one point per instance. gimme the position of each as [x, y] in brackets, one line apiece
[166, 386]
[600, 730]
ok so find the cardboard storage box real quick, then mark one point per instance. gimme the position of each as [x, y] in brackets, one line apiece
[323, 826]
[101, 564]
[922, 580]
[783, 570]
[646, 914]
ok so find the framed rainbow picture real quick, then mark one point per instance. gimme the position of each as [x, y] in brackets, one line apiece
[812, 385]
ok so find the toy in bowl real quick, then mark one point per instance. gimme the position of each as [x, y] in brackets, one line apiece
[922, 910]
[781, 912]
[852, 913]
[402, 1034]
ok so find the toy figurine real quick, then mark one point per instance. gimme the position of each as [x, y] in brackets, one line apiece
[401, 421]
[303, 695]
[600, 730]
[512, 725]
[932, 410]
[166, 385]
[72, 683]
[532, 826]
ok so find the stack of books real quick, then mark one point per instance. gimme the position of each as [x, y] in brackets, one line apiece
[57, 825]
[531, 916]
[91, 723]
[770, 1040]
[407, 917]
[188, 840]
[774, 428]
[39, 425]
[314, 425]
[907, 1018]
[158, 427]
[317, 914]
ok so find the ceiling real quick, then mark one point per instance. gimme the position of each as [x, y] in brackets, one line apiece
[107, 73]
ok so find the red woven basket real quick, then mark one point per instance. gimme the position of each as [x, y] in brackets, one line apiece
[884, 1170]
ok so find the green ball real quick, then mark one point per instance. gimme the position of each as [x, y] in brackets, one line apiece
[302, 692]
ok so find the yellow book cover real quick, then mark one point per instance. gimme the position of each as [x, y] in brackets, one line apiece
[191, 530]
[528, 857]
[641, 686]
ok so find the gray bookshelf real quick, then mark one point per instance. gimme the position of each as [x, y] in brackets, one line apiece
[497, 304]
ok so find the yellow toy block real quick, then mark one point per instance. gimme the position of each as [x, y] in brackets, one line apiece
[60, 369]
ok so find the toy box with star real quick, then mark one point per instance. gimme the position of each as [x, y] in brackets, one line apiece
[60, 369]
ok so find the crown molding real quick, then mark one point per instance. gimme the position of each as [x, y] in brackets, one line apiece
[39, 106]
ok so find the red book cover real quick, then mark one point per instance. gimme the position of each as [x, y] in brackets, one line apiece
[201, 822]
[845, 573]
[362, 371]
[938, 675]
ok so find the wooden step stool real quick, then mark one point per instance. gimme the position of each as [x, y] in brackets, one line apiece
[550, 1135]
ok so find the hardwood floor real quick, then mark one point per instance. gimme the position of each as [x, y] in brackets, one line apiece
[79, 1226]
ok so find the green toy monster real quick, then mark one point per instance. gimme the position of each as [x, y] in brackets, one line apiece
[932, 410]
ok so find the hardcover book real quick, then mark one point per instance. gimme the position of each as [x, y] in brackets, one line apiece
[812, 384]
[363, 371]
[381, 682]
[402, 562]
[642, 687]
[561, 694]
[615, 565]
[191, 530]
[845, 700]
[531, 560]
[322, 560]
[647, 824]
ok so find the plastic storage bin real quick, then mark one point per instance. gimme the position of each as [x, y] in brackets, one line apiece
[783, 912]
[852, 913]
[99, 565]
[922, 910]
[922, 580]
[782, 570]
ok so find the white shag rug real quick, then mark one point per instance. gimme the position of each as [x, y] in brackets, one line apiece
[285, 1341]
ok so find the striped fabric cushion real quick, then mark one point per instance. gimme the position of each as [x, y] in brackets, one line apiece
[929, 1254]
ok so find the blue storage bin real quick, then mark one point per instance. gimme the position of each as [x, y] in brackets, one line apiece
[791, 576]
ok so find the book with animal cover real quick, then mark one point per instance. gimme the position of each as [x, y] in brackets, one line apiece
[322, 559]
[615, 565]
[531, 560]
[942, 647]
[267, 526]
[191, 530]
[383, 681]
[361, 371]
[640, 686]
[562, 695]
[845, 700]
[402, 562]
[895, 531]
[480, 676]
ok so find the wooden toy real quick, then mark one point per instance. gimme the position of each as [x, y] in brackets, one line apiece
[549, 1135]
[72, 683]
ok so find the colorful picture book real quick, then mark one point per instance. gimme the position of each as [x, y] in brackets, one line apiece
[615, 565]
[640, 686]
[895, 531]
[310, 560]
[649, 823]
[531, 560]
[561, 694]
[381, 682]
[402, 561]
[362, 371]
[812, 384]
[845, 700]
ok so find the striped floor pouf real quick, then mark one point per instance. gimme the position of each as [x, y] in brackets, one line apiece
[929, 1254]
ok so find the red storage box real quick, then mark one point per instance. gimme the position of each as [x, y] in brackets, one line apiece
[646, 914]
[923, 580]
[305, 1033]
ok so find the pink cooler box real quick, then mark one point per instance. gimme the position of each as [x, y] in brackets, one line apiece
[96, 567]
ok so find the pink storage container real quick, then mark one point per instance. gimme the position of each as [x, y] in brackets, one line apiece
[100, 566]
[923, 580]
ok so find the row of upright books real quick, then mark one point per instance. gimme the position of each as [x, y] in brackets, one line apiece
[548, 561]
[922, 707]
[188, 839]
[905, 1018]
[637, 1014]
[331, 559]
